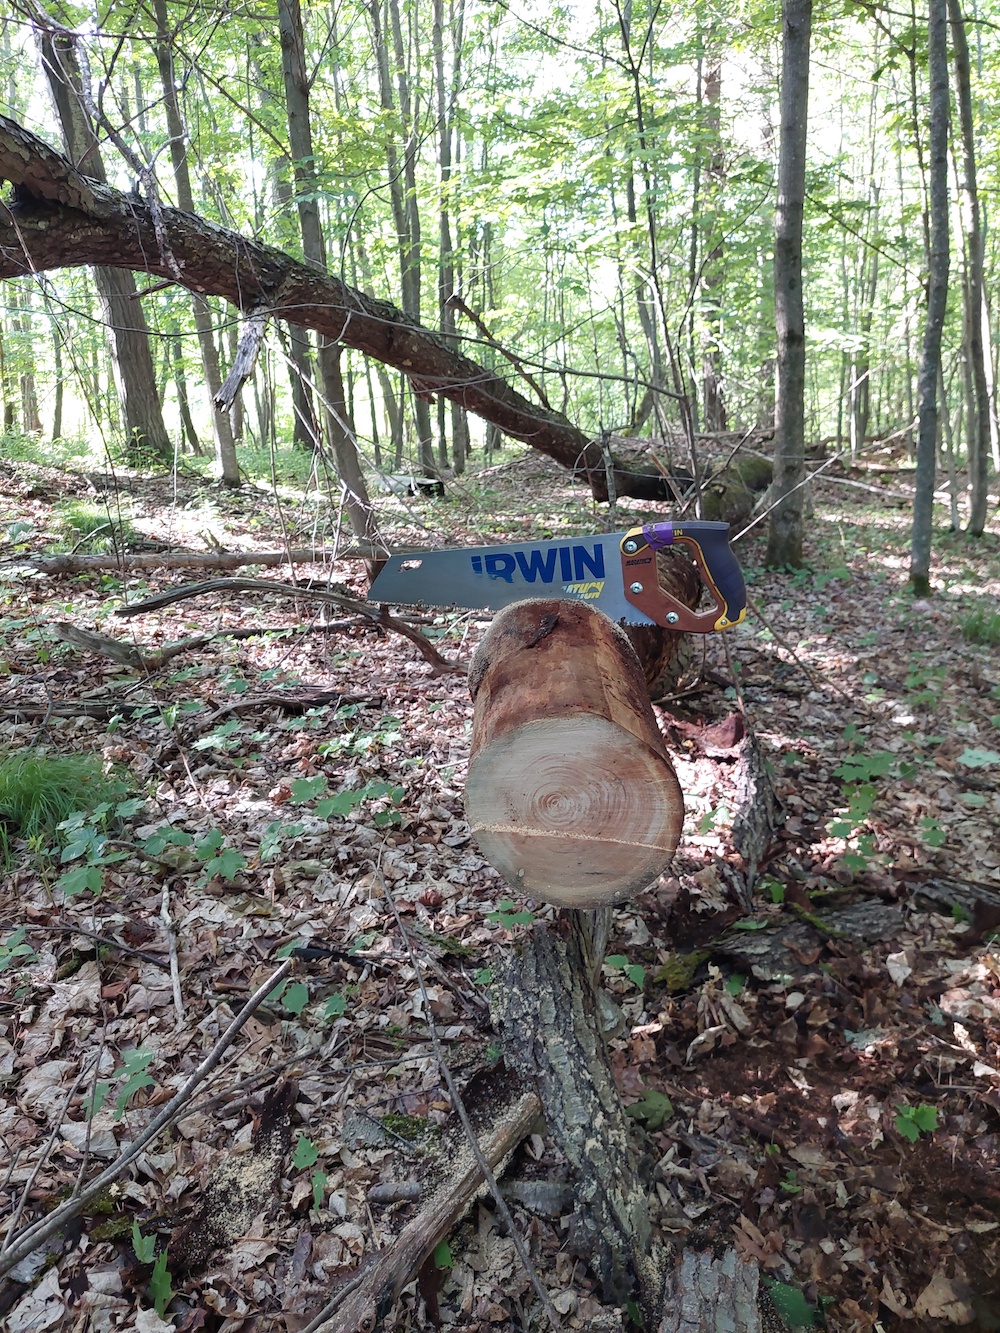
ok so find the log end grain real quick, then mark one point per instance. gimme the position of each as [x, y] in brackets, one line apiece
[570, 794]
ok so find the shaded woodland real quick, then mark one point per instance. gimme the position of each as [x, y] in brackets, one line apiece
[284, 290]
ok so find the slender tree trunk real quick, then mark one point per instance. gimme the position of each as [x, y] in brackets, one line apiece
[225, 447]
[979, 399]
[132, 362]
[335, 413]
[183, 398]
[784, 544]
[937, 301]
[713, 401]
[60, 393]
[403, 191]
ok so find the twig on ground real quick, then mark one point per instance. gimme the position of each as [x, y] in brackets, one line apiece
[378, 615]
[43, 1158]
[175, 973]
[30, 1239]
[66, 928]
[782, 642]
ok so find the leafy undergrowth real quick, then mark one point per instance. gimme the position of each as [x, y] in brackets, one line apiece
[836, 1117]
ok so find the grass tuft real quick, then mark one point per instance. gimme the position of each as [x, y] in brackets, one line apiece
[91, 526]
[983, 627]
[38, 790]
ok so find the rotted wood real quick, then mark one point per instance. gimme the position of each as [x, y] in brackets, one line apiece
[570, 794]
[778, 952]
[368, 1297]
[705, 1293]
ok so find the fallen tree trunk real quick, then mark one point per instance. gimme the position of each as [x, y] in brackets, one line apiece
[60, 218]
[570, 793]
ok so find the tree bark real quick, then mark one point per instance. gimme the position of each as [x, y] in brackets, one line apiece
[131, 359]
[937, 302]
[225, 446]
[784, 543]
[570, 793]
[335, 414]
[978, 445]
[59, 218]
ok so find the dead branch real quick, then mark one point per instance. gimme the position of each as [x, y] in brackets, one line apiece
[81, 564]
[377, 615]
[17, 1248]
[128, 654]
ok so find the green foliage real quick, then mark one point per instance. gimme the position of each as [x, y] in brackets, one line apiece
[14, 951]
[635, 972]
[442, 1255]
[336, 1007]
[131, 1075]
[912, 1121]
[160, 1287]
[144, 1246]
[507, 915]
[38, 790]
[342, 803]
[978, 758]
[654, 1109]
[319, 1182]
[982, 627]
[306, 1153]
[791, 1305]
[86, 526]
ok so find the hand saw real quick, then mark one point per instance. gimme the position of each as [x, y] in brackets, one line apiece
[614, 571]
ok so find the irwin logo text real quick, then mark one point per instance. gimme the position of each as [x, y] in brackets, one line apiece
[567, 564]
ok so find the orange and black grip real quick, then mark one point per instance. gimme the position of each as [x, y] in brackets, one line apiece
[720, 570]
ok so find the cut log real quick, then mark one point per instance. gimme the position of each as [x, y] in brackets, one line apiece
[571, 794]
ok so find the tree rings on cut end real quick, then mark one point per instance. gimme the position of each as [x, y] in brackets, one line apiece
[570, 795]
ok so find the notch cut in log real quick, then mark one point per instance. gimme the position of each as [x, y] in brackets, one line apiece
[571, 794]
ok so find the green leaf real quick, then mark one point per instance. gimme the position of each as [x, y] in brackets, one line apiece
[907, 1128]
[97, 1100]
[636, 973]
[655, 1108]
[306, 1153]
[159, 1285]
[735, 984]
[81, 880]
[319, 1179]
[483, 976]
[336, 1005]
[978, 758]
[925, 1118]
[209, 844]
[307, 789]
[442, 1255]
[793, 1307]
[144, 1246]
[749, 924]
[296, 997]
[932, 833]
[227, 865]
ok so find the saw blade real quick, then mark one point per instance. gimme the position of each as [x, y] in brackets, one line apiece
[586, 569]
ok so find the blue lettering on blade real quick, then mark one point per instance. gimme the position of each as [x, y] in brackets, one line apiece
[585, 562]
[537, 565]
[500, 567]
[576, 564]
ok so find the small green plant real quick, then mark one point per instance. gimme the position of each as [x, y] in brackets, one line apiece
[341, 803]
[90, 526]
[635, 972]
[132, 1075]
[912, 1121]
[39, 790]
[982, 627]
[791, 1305]
[508, 916]
[655, 1108]
[14, 951]
[144, 1246]
[306, 1153]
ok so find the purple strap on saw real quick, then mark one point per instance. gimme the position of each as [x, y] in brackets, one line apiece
[658, 535]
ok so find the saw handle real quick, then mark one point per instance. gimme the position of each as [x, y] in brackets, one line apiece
[720, 572]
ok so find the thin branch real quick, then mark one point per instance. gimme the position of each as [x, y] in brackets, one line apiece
[32, 1237]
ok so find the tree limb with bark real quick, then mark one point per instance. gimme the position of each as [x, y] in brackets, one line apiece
[57, 217]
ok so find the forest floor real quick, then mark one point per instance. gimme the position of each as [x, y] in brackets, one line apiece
[837, 1118]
